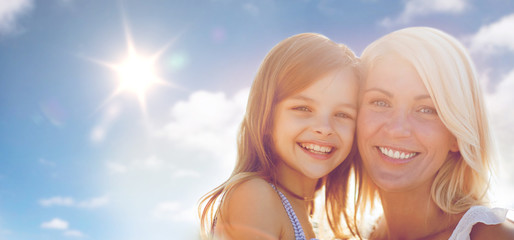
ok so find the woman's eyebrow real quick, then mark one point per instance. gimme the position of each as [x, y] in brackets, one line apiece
[378, 90]
[420, 97]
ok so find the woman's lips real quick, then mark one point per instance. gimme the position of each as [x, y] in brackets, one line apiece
[396, 156]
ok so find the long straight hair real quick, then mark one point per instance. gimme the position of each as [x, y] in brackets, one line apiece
[291, 66]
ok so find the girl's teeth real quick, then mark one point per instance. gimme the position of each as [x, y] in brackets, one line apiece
[396, 154]
[316, 148]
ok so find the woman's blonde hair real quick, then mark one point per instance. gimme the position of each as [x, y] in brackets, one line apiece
[291, 66]
[448, 73]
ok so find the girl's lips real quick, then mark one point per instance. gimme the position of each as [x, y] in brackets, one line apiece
[317, 150]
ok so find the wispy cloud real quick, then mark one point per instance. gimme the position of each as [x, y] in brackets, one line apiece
[493, 38]
[70, 202]
[94, 202]
[499, 104]
[251, 8]
[99, 132]
[59, 224]
[174, 211]
[65, 2]
[10, 12]
[45, 162]
[416, 8]
[55, 223]
[73, 233]
[152, 164]
[57, 201]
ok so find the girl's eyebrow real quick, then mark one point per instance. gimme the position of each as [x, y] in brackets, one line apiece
[304, 98]
[307, 99]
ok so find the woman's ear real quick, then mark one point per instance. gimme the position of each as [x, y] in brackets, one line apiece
[454, 145]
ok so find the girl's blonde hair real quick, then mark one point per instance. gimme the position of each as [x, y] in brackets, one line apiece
[448, 73]
[291, 66]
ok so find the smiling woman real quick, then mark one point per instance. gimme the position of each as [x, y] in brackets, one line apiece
[424, 140]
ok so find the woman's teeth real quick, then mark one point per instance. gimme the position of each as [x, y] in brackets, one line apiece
[314, 148]
[396, 154]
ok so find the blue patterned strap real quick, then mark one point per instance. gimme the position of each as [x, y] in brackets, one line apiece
[298, 231]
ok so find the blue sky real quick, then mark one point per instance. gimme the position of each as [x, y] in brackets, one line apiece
[78, 161]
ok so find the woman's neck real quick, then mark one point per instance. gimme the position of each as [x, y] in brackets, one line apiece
[414, 215]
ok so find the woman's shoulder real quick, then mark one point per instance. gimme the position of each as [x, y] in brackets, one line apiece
[481, 222]
[504, 230]
[252, 208]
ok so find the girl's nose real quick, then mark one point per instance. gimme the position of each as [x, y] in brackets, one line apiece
[323, 126]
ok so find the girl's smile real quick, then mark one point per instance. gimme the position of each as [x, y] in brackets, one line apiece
[314, 128]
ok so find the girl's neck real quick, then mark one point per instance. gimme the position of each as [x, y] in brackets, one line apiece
[295, 183]
[414, 215]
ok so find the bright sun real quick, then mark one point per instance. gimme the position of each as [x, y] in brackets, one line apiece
[136, 74]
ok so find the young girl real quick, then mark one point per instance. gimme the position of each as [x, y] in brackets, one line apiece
[298, 128]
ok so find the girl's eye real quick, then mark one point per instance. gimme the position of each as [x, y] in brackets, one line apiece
[380, 103]
[342, 115]
[302, 108]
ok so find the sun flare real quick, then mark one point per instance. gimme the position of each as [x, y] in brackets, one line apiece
[136, 74]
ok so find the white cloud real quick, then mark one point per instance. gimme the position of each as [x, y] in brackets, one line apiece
[94, 202]
[208, 122]
[57, 201]
[55, 223]
[10, 11]
[174, 211]
[494, 37]
[415, 8]
[63, 225]
[499, 105]
[73, 233]
[191, 153]
[70, 202]
[181, 173]
[115, 167]
[151, 163]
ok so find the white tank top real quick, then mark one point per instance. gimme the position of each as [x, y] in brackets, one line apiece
[477, 214]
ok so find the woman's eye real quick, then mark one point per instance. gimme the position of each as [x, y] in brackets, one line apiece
[302, 108]
[428, 110]
[380, 103]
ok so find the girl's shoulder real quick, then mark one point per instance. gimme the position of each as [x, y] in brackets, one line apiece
[252, 194]
[252, 208]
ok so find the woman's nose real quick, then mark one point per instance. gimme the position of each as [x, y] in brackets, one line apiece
[399, 125]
